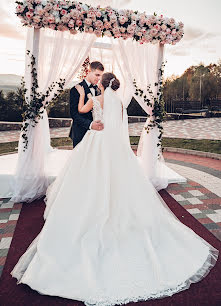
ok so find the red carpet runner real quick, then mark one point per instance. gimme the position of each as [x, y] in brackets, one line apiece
[206, 292]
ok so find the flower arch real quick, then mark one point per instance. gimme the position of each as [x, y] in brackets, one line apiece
[61, 35]
[73, 16]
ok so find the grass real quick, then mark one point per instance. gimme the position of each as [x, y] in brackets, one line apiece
[205, 145]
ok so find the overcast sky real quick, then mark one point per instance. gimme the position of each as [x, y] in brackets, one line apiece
[201, 42]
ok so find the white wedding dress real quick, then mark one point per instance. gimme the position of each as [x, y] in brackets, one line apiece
[109, 238]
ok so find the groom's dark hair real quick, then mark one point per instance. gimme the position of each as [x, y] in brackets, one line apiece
[96, 65]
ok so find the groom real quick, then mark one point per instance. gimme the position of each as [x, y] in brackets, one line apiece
[83, 122]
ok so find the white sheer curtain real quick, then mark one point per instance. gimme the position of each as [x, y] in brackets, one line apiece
[142, 63]
[58, 55]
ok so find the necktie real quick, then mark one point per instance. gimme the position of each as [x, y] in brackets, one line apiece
[92, 86]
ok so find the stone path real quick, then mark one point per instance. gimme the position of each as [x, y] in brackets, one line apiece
[206, 128]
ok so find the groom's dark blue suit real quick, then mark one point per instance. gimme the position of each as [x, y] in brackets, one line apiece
[81, 122]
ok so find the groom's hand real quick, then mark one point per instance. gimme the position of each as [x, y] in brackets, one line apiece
[97, 125]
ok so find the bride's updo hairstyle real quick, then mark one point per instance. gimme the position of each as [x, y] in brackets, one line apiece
[106, 79]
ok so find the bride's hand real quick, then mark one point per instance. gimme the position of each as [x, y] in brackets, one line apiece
[89, 96]
[80, 89]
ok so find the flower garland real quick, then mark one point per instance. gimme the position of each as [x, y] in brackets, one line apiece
[73, 16]
[33, 108]
[158, 111]
[84, 69]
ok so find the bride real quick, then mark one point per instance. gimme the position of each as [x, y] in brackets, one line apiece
[108, 237]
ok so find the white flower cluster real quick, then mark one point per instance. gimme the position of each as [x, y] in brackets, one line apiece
[64, 15]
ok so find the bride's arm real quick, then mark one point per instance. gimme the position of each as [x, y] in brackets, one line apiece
[83, 108]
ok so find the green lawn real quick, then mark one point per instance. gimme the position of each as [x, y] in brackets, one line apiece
[213, 146]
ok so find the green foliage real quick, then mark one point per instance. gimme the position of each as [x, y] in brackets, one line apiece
[198, 83]
[59, 107]
[11, 105]
[33, 106]
[158, 111]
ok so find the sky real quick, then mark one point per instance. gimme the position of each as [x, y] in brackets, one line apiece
[201, 42]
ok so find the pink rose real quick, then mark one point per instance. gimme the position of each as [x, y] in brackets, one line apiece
[56, 7]
[157, 27]
[123, 19]
[117, 35]
[20, 8]
[29, 15]
[52, 26]
[63, 12]
[108, 34]
[171, 21]
[181, 25]
[97, 33]
[78, 22]
[73, 31]
[74, 13]
[153, 32]
[71, 23]
[91, 14]
[115, 30]
[134, 17]
[163, 27]
[39, 10]
[88, 21]
[91, 30]
[113, 19]
[36, 19]
[107, 25]
[148, 21]
[99, 24]
[62, 28]
[48, 6]
[98, 14]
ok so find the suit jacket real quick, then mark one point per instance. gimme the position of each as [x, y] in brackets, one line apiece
[81, 122]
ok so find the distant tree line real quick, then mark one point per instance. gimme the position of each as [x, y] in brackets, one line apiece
[11, 105]
[198, 83]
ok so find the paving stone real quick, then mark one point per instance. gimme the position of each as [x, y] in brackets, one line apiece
[3, 252]
[4, 216]
[215, 206]
[208, 211]
[186, 195]
[194, 201]
[194, 211]
[199, 216]
[203, 197]
[5, 243]
[211, 226]
[196, 193]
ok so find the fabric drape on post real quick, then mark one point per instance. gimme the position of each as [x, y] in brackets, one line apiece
[58, 55]
[142, 63]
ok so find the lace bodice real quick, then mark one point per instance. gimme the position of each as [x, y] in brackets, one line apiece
[97, 111]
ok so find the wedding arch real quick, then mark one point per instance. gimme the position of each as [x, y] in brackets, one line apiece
[61, 35]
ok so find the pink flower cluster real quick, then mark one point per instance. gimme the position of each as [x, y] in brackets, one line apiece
[64, 15]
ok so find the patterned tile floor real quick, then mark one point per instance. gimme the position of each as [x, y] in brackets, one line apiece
[208, 128]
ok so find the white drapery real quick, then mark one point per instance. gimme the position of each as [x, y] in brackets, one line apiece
[142, 63]
[58, 55]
